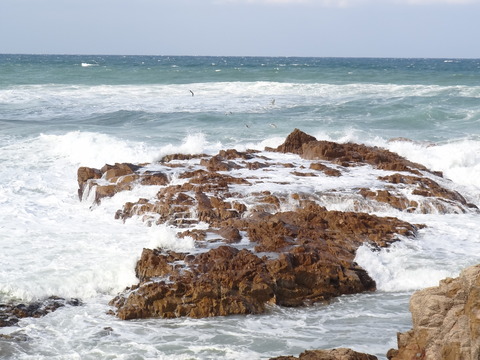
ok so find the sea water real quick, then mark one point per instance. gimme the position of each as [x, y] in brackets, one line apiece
[61, 112]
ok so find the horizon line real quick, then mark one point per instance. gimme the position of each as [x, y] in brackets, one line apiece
[249, 56]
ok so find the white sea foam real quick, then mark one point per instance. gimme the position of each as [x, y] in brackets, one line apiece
[60, 244]
[459, 160]
[94, 149]
[52, 100]
[191, 144]
[448, 245]
[88, 332]
[84, 64]
[165, 237]
[52, 244]
[41, 213]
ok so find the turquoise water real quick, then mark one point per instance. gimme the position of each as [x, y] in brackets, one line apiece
[117, 70]
[61, 112]
[423, 99]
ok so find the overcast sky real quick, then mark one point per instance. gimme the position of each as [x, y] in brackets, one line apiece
[344, 28]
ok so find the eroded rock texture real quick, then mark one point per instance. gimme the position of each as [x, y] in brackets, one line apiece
[10, 314]
[263, 234]
[446, 321]
[300, 257]
[334, 354]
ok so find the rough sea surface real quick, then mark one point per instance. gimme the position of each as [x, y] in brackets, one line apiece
[61, 112]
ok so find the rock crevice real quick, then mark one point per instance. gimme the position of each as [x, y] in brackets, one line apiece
[255, 247]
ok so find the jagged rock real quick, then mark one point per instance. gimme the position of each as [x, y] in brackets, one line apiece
[83, 175]
[427, 187]
[334, 354]
[308, 147]
[111, 179]
[294, 142]
[266, 247]
[153, 263]
[231, 154]
[315, 261]
[313, 223]
[113, 172]
[178, 204]
[172, 157]
[326, 170]
[396, 201]
[446, 321]
[222, 281]
[10, 314]
[230, 234]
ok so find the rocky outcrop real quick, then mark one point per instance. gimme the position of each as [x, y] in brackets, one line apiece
[207, 183]
[253, 246]
[349, 154]
[308, 257]
[446, 321]
[334, 354]
[111, 179]
[10, 314]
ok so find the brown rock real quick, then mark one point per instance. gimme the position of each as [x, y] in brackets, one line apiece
[181, 157]
[83, 175]
[301, 173]
[216, 163]
[198, 235]
[325, 169]
[334, 354]
[115, 178]
[232, 154]
[315, 262]
[86, 173]
[354, 154]
[204, 207]
[153, 263]
[398, 202]
[103, 191]
[295, 257]
[153, 178]
[230, 234]
[294, 142]
[222, 281]
[426, 187]
[346, 154]
[114, 171]
[446, 321]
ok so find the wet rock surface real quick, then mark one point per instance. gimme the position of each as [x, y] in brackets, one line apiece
[300, 257]
[349, 154]
[334, 354]
[260, 238]
[10, 314]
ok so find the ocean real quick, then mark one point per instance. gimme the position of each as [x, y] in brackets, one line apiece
[60, 112]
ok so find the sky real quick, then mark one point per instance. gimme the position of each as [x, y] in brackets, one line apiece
[320, 28]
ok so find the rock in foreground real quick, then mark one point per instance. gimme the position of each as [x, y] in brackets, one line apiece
[334, 354]
[301, 257]
[446, 321]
